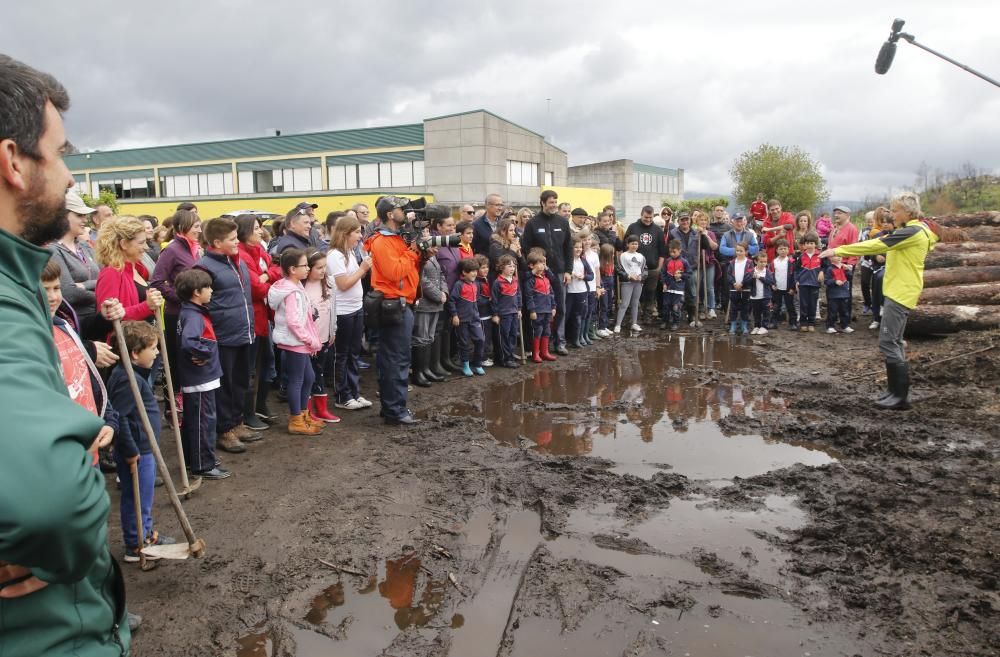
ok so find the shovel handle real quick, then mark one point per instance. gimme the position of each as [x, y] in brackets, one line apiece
[161, 329]
[133, 469]
[154, 444]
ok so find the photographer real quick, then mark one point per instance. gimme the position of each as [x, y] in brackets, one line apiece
[395, 276]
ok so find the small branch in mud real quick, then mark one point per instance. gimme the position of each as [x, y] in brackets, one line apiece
[930, 364]
[342, 569]
[454, 582]
[441, 551]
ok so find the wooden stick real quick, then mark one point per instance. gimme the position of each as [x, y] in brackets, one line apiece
[196, 545]
[933, 362]
[342, 569]
[185, 484]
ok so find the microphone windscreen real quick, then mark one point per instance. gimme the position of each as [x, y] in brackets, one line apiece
[885, 56]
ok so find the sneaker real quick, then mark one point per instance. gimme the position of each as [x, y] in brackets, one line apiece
[762, 331]
[215, 474]
[488, 362]
[364, 402]
[254, 423]
[692, 324]
[867, 310]
[804, 329]
[712, 315]
[350, 405]
[848, 330]
[618, 329]
[636, 328]
[132, 556]
[362, 365]
[831, 330]
[793, 327]
[754, 331]
[134, 622]
[812, 329]
[873, 325]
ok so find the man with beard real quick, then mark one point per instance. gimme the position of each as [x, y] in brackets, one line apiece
[61, 592]
[549, 230]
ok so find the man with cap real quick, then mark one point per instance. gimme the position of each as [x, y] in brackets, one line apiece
[739, 233]
[689, 236]
[395, 273]
[578, 220]
[298, 229]
[843, 233]
[484, 226]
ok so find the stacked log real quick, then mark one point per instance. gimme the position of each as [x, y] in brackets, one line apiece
[961, 278]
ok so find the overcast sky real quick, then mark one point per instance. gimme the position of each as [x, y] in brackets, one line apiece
[689, 84]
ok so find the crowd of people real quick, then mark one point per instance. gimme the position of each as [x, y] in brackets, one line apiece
[292, 308]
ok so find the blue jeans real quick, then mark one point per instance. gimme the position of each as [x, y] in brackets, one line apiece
[392, 363]
[708, 287]
[300, 379]
[147, 481]
[346, 375]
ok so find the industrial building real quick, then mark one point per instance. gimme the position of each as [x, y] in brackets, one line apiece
[453, 159]
[633, 185]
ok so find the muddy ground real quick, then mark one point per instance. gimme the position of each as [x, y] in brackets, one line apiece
[683, 495]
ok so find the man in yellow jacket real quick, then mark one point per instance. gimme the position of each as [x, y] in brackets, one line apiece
[905, 249]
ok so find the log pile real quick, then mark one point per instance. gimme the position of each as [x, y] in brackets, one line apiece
[962, 277]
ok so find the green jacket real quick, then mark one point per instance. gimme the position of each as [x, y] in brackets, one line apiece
[53, 504]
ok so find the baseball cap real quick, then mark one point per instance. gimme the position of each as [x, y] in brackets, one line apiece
[301, 208]
[738, 215]
[842, 208]
[75, 204]
[683, 215]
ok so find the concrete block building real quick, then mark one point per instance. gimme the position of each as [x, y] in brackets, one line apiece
[633, 185]
[455, 159]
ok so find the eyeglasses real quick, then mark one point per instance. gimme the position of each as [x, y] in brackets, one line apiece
[468, 212]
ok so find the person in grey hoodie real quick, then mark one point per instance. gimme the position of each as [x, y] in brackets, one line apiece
[433, 295]
[77, 266]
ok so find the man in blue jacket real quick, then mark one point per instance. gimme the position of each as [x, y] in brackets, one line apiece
[484, 227]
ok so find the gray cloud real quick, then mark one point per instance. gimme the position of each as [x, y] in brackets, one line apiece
[673, 86]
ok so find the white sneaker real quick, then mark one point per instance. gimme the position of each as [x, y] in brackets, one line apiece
[754, 331]
[831, 330]
[848, 330]
[762, 331]
[604, 333]
[693, 324]
[350, 405]
[618, 329]
[636, 328]
[712, 315]
[873, 325]
[488, 362]
[364, 402]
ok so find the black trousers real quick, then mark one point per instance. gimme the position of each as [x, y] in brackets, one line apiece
[231, 395]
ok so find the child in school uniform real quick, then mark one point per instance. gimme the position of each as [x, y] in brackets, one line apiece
[739, 273]
[132, 445]
[674, 275]
[781, 272]
[485, 305]
[463, 307]
[507, 309]
[540, 302]
[606, 302]
[760, 297]
[808, 278]
[198, 373]
[838, 295]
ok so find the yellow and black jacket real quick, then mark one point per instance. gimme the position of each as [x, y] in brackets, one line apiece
[905, 250]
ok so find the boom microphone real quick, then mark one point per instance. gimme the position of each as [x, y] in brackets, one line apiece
[885, 56]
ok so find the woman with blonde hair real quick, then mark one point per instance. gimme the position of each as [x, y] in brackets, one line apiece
[121, 243]
[344, 273]
[523, 216]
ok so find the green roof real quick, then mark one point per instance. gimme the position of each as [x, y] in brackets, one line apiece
[315, 142]
[648, 168]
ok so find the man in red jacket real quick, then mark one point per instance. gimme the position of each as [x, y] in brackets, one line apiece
[777, 225]
[758, 210]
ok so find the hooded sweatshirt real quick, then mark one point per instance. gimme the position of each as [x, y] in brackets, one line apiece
[294, 325]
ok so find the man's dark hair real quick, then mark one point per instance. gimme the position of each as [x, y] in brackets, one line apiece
[647, 209]
[467, 265]
[186, 206]
[331, 219]
[546, 195]
[217, 229]
[24, 92]
[190, 281]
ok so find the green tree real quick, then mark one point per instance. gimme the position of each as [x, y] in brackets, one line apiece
[703, 204]
[106, 197]
[785, 173]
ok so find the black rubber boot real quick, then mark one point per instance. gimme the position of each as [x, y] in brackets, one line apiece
[435, 366]
[899, 388]
[424, 363]
[447, 363]
[416, 367]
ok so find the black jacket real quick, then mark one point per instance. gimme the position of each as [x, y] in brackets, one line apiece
[288, 241]
[551, 233]
[652, 244]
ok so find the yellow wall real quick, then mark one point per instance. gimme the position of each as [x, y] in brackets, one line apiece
[590, 199]
[278, 205]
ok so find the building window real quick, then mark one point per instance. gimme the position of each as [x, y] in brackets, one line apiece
[402, 174]
[549, 179]
[202, 184]
[126, 188]
[368, 176]
[524, 174]
[418, 173]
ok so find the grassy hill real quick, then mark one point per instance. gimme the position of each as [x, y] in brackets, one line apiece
[969, 194]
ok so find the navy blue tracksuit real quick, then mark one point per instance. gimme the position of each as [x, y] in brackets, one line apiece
[462, 303]
[539, 298]
[506, 306]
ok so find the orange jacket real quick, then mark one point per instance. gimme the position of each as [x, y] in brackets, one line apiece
[395, 268]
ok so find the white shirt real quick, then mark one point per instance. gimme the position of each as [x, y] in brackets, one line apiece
[781, 273]
[739, 270]
[577, 285]
[347, 301]
[758, 283]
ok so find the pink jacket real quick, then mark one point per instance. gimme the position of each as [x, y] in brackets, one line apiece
[294, 327]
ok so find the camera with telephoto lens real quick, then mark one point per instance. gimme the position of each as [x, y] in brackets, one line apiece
[439, 240]
[416, 217]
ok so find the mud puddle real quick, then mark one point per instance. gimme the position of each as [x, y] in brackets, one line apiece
[646, 411]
